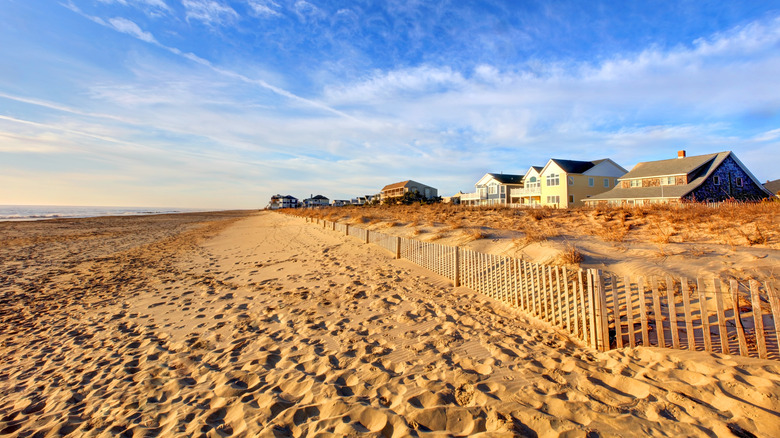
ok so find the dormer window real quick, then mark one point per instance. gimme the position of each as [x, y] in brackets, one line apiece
[668, 181]
[636, 183]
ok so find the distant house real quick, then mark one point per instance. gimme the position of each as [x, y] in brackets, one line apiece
[567, 183]
[705, 178]
[773, 186]
[340, 202]
[493, 189]
[316, 201]
[398, 189]
[279, 201]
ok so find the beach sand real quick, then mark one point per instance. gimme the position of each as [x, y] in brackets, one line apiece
[259, 324]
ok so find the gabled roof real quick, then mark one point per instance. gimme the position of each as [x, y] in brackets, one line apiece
[574, 166]
[501, 178]
[397, 185]
[507, 179]
[674, 166]
[773, 186]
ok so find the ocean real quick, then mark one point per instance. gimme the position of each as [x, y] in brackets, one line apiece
[42, 212]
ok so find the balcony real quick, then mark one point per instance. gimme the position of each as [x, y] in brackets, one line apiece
[472, 197]
[526, 191]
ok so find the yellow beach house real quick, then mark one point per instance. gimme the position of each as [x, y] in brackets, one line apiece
[567, 183]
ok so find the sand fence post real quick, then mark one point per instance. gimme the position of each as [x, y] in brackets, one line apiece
[743, 347]
[367, 232]
[456, 256]
[599, 310]
[397, 247]
[758, 319]
[346, 230]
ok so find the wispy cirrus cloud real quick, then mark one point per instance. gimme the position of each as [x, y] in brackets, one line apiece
[265, 8]
[211, 12]
[126, 26]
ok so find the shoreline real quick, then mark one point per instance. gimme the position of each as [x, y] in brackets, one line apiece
[260, 325]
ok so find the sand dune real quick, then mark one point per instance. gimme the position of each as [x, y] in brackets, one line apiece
[264, 325]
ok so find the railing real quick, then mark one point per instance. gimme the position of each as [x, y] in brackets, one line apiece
[601, 309]
[472, 197]
[526, 191]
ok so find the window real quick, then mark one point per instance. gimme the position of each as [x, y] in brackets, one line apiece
[606, 182]
[591, 183]
[668, 181]
[716, 180]
[553, 199]
[532, 182]
[503, 189]
[571, 199]
[636, 183]
[738, 181]
[553, 179]
[492, 189]
[571, 180]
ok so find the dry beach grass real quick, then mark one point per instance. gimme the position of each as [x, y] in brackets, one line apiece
[259, 324]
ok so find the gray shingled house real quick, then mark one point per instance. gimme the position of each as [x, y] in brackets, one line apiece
[703, 178]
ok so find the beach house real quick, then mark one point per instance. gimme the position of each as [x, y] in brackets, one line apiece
[316, 201]
[705, 178]
[492, 189]
[566, 183]
[286, 201]
[398, 190]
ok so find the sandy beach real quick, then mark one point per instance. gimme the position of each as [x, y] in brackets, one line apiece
[260, 324]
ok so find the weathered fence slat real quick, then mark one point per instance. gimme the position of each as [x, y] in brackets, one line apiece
[688, 314]
[657, 315]
[705, 315]
[671, 307]
[630, 312]
[758, 319]
[722, 328]
[743, 347]
[640, 284]
[774, 303]
[616, 313]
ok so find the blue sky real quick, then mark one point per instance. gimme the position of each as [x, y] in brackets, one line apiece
[220, 104]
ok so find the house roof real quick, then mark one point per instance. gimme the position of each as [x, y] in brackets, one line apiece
[674, 166]
[773, 186]
[507, 179]
[699, 167]
[574, 166]
[397, 185]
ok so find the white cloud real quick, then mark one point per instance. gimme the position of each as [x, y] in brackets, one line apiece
[307, 11]
[210, 12]
[265, 8]
[126, 26]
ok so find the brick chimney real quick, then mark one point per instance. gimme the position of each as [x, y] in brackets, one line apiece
[680, 154]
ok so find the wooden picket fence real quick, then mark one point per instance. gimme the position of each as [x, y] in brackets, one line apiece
[601, 309]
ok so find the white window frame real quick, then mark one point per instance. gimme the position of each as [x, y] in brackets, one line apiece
[571, 180]
[739, 182]
[553, 179]
[668, 181]
[606, 182]
[636, 183]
